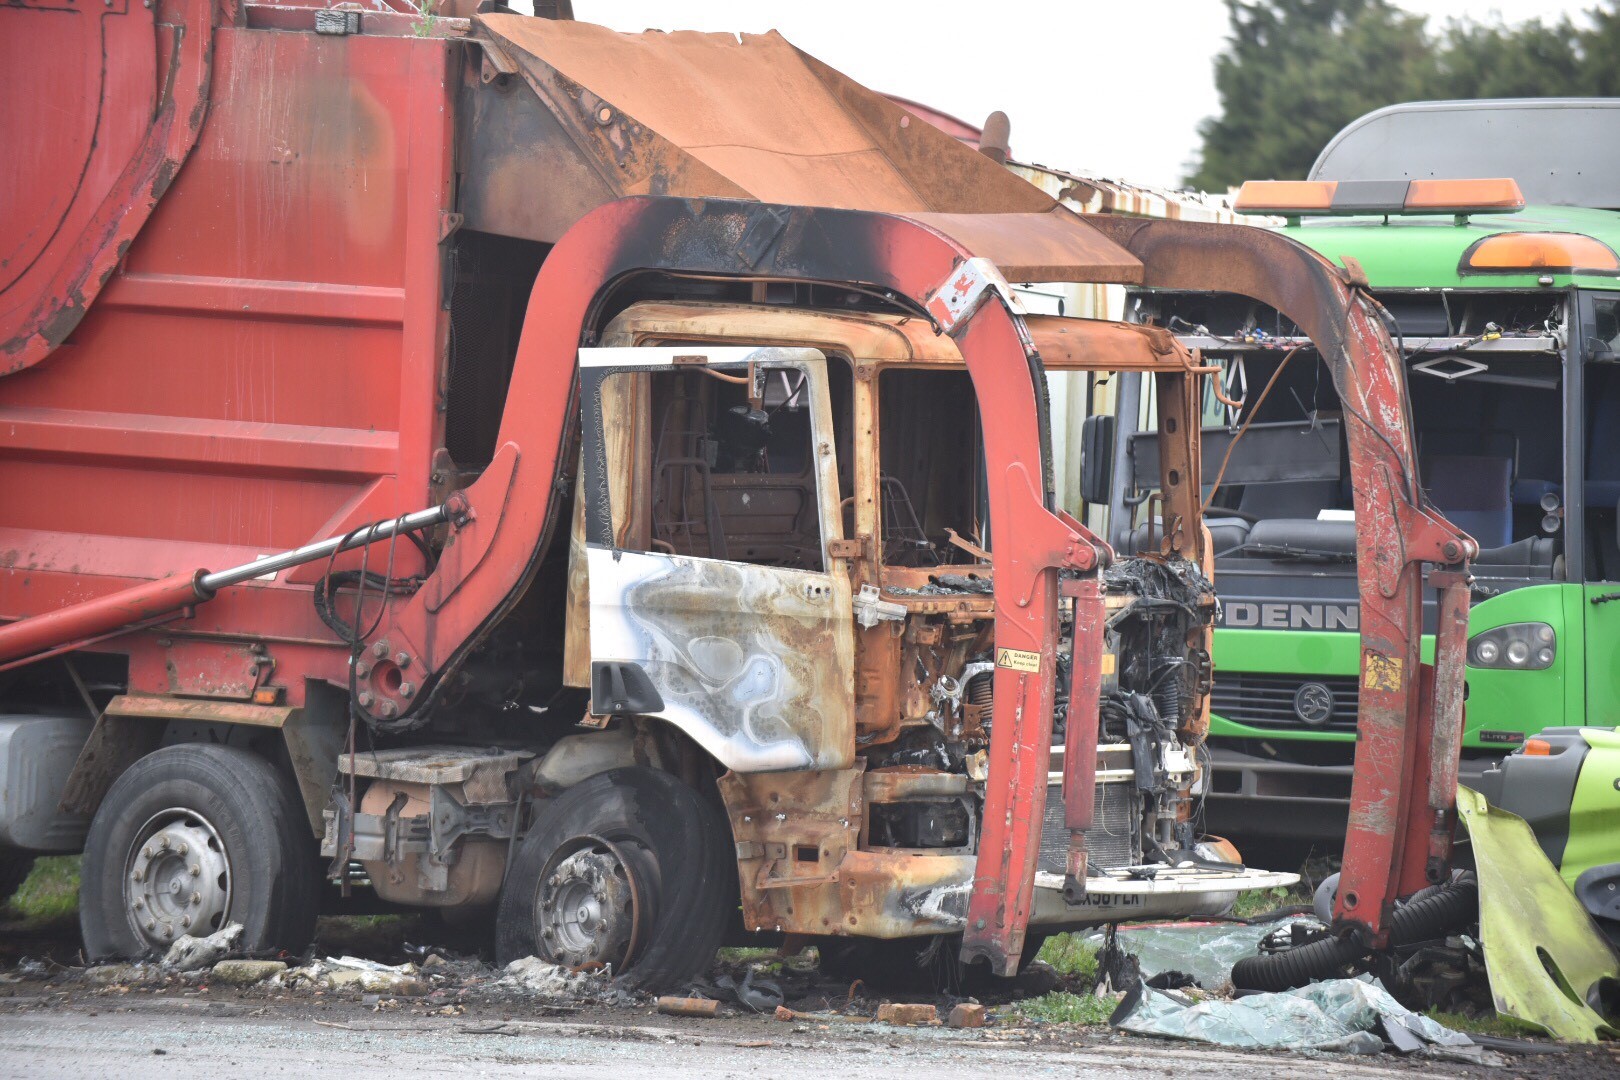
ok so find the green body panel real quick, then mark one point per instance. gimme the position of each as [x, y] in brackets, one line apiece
[1544, 955]
[1498, 700]
[1603, 656]
[1594, 813]
[1423, 252]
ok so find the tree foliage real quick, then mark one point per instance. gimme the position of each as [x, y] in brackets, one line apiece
[1296, 71]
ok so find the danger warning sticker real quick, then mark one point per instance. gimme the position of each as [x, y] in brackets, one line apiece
[1018, 660]
[1379, 672]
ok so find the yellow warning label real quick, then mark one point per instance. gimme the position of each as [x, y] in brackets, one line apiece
[1018, 660]
[1380, 672]
[1105, 663]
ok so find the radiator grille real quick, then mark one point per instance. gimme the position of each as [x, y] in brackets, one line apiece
[1111, 840]
[1270, 701]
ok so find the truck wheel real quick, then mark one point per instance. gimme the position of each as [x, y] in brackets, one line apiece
[190, 839]
[630, 868]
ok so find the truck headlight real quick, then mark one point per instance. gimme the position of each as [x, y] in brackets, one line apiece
[1525, 646]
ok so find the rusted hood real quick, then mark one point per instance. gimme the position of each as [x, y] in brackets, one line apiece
[750, 116]
[688, 113]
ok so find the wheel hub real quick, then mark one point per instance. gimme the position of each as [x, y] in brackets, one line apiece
[179, 880]
[586, 907]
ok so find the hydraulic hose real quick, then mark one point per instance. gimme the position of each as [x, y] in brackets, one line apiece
[1429, 914]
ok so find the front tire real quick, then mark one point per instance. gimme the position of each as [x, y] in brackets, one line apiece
[190, 839]
[629, 868]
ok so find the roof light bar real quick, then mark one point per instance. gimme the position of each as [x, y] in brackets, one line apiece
[1519, 253]
[1296, 197]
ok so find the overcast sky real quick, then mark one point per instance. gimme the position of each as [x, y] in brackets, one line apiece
[1115, 89]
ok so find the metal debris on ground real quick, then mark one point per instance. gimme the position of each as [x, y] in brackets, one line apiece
[1348, 1016]
[536, 976]
[192, 953]
[356, 973]
[688, 1006]
[755, 994]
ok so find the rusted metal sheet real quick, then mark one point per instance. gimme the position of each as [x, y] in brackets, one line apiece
[714, 115]
[1397, 532]
[1096, 345]
[139, 707]
[1052, 246]
[1087, 193]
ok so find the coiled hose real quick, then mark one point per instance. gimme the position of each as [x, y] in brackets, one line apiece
[1429, 914]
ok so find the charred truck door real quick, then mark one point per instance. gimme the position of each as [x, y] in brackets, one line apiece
[711, 499]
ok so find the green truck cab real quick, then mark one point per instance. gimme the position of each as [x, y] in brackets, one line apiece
[1508, 316]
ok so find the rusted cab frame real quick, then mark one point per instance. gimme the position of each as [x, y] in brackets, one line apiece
[807, 865]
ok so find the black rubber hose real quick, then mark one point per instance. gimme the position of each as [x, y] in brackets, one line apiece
[1429, 914]
[1327, 958]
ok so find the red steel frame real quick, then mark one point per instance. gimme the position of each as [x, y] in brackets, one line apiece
[1403, 793]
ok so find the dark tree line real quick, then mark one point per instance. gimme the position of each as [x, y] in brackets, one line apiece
[1296, 71]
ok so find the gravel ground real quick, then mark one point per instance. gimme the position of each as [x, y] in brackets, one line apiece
[151, 1036]
[56, 1021]
[50, 1030]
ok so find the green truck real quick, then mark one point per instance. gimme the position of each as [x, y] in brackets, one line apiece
[1505, 300]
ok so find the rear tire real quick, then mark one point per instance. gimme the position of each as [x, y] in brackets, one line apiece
[190, 839]
[630, 868]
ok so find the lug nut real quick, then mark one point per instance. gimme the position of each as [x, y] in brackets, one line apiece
[138, 904]
[196, 899]
[182, 850]
[380, 649]
[364, 697]
[151, 925]
[185, 920]
[195, 869]
[137, 876]
[403, 659]
[388, 708]
[406, 689]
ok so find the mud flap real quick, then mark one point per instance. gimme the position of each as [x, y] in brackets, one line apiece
[1548, 964]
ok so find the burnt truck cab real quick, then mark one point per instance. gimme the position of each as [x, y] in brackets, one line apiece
[782, 549]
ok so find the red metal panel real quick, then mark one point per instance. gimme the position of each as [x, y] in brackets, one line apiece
[263, 368]
[1397, 532]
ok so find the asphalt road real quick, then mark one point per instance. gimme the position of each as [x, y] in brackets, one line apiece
[172, 1037]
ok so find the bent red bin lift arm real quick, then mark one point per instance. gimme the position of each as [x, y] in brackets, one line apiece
[1408, 736]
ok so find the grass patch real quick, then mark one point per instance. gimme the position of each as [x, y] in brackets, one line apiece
[1064, 1008]
[745, 955]
[51, 893]
[1506, 1027]
[1070, 954]
[1257, 902]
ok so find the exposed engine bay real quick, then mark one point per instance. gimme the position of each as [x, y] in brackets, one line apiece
[1157, 676]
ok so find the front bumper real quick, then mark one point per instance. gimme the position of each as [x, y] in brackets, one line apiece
[1173, 893]
[1253, 798]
